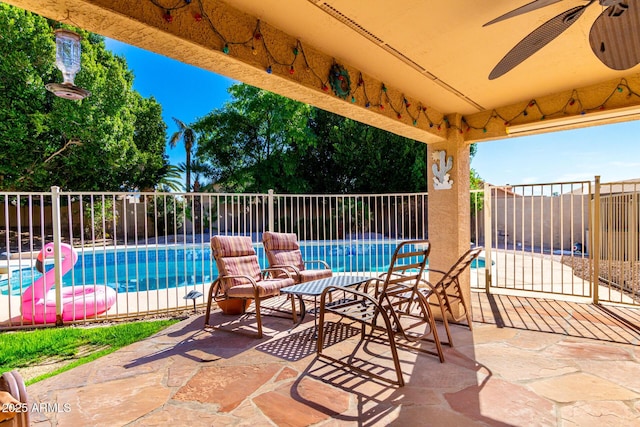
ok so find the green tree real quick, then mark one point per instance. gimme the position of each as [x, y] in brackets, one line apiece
[168, 212]
[200, 171]
[170, 179]
[188, 137]
[248, 143]
[351, 157]
[149, 136]
[260, 141]
[112, 140]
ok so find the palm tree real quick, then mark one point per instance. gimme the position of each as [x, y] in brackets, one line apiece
[170, 179]
[188, 136]
[201, 173]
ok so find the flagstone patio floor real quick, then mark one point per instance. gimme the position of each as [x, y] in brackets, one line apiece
[527, 362]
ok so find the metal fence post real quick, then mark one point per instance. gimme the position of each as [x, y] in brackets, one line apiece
[487, 238]
[270, 201]
[57, 252]
[594, 252]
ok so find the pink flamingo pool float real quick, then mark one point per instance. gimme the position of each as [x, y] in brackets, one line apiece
[78, 302]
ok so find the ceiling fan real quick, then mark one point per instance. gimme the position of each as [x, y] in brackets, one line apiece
[614, 36]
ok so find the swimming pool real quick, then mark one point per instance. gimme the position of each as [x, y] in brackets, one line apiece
[155, 268]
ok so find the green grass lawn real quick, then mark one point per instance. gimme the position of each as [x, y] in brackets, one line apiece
[24, 349]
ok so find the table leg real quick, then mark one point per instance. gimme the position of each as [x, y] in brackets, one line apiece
[315, 317]
[303, 312]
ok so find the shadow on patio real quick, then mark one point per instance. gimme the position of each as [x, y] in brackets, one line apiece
[527, 362]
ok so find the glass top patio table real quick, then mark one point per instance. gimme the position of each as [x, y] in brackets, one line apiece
[315, 288]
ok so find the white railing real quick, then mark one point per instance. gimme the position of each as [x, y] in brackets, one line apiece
[151, 249]
[537, 238]
[563, 239]
[618, 255]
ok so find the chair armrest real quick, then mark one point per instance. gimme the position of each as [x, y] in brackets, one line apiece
[428, 290]
[318, 262]
[433, 270]
[376, 282]
[284, 267]
[222, 279]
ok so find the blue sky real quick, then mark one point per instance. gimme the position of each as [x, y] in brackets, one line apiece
[611, 151]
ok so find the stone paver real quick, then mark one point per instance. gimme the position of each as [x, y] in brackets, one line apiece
[306, 403]
[514, 364]
[498, 402]
[598, 414]
[582, 386]
[226, 386]
[516, 369]
[113, 403]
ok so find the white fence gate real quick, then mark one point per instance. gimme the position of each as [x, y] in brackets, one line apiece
[558, 240]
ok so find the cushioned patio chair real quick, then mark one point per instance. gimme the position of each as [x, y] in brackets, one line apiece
[391, 304]
[283, 251]
[240, 276]
[444, 291]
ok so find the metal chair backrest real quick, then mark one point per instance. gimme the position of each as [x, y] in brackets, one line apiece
[407, 265]
[458, 267]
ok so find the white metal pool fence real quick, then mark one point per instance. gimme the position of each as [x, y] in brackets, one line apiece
[153, 248]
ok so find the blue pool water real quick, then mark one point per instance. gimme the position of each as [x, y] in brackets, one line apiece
[179, 266]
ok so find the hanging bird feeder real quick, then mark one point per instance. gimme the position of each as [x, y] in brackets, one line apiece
[67, 61]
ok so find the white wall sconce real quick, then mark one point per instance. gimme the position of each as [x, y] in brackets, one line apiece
[68, 61]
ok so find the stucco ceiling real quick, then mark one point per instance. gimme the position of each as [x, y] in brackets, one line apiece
[436, 53]
[447, 54]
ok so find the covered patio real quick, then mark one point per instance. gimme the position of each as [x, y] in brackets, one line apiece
[423, 70]
[429, 71]
[528, 362]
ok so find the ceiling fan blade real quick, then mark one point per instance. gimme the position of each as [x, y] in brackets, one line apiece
[615, 36]
[534, 5]
[536, 40]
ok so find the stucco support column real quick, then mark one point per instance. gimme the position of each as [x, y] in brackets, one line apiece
[449, 208]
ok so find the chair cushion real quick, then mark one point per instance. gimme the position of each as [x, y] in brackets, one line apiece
[267, 287]
[309, 275]
[235, 255]
[231, 246]
[282, 249]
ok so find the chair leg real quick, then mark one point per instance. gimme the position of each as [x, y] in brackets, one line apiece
[443, 311]
[258, 317]
[432, 325]
[465, 306]
[210, 298]
[444, 308]
[394, 348]
[12, 383]
[423, 316]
